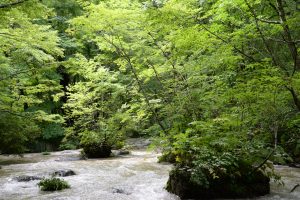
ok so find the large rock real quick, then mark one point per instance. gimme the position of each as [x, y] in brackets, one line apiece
[120, 152]
[250, 186]
[120, 191]
[295, 165]
[26, 178]
[64, 173]
[97, 150]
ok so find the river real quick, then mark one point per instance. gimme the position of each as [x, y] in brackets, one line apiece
[136, 176]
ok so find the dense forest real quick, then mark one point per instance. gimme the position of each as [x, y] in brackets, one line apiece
[214, 83]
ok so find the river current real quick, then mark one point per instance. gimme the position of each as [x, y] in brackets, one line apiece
[136, 176]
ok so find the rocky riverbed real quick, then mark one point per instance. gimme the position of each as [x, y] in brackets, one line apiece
[135, 176]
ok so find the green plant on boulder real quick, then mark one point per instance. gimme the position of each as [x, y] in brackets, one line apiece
[53, 184]
[244, 183]
[96, 145]
[210, 167]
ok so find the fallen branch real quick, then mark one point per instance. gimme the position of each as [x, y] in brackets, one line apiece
[294, 188]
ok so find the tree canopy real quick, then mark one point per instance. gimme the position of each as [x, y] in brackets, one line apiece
[215, 82]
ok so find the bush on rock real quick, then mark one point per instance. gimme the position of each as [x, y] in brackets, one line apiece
[53, 184]
[96, 145]
[236, 185]
[218, 169]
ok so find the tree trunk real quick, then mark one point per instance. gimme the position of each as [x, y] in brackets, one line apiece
[295, 97]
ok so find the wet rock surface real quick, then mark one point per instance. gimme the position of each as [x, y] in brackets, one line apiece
[64, 173]
[120, 191]
[26, 178]
[120, 152]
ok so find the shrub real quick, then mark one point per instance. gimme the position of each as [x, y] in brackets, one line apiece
[53, 184]
[67, 146]
[83, 155]
[95, 145]
[95, 149]
[119, 145]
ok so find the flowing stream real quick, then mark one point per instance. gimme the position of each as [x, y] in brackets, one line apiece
[136, 176]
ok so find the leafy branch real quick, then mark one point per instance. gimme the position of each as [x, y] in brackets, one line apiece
[12, 4]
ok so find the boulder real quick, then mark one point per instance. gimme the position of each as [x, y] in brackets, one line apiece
[120, 191]
[63, 173]
[121, 152]
[294, 165]
[97, 150]
[250, 186]
[26, 178]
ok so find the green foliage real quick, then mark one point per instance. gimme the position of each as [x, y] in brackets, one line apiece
[53, 131]
[15, 132]
[204, 76]
[53, 184]
[68, 145]
[95, 146]
[28, 80]
[216, 82]
[94, 105]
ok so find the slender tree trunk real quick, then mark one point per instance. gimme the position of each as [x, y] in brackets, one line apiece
[262, 36]
[176, 74]
[287, 35]
[275, 130]
[295, 97]
[122, 53]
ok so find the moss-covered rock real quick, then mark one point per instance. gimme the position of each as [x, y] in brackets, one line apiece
[96, 145]
[230, 186]
[97, 150]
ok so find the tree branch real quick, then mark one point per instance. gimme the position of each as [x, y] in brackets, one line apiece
[262, 36]
[283, 41]
[269, 21]
[287, 35]
[227, 42]
[294, 188]
[295, 97]
[121, 51]
[7, 5]
[175, 72]
[265, 160]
